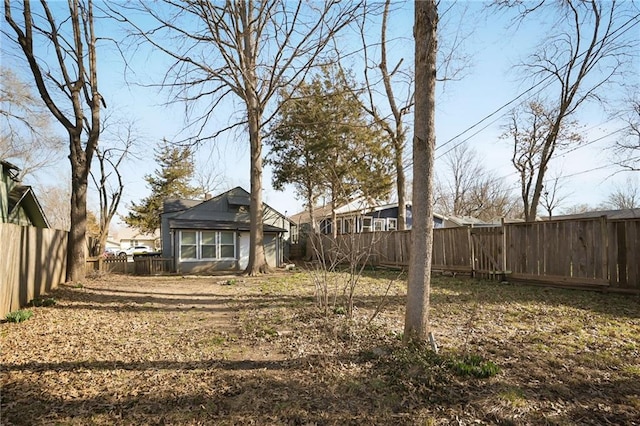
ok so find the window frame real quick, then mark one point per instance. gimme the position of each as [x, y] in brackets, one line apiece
[217, 244]
[365, 227]
[378, 221]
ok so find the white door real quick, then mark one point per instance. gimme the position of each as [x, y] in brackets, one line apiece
[244, 251]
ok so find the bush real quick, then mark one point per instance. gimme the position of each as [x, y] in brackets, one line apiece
[474, 365]
[43, 301]
[19, 316]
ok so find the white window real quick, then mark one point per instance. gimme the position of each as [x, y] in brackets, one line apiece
[207, 245]
[378, 224]
[392, 224]
[366, 224]
[339, 226]
[348, 225]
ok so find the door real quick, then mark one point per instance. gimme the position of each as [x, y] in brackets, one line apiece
[243, 258]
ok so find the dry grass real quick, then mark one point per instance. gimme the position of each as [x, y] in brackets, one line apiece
[131, 350]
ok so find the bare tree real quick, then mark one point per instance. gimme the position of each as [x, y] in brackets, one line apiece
[585, 53]
[395, 79]
[208, 180]
[552, 197]
[68, 85]
[118, 139]
[537, 135]
[625, 196]
[463, 172]
[55, 203]
[627, 148]
[398, 81]
[577, 209]
[416, 324]
[467, 188]
[243, 49]
[25, 126]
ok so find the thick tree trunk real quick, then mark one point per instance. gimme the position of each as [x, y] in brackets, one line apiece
[417, 313]
[77, 244]
[257, 259]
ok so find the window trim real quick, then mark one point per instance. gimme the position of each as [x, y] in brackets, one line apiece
[365, 227]
[394, 221]
[218, 246]
[378, 221]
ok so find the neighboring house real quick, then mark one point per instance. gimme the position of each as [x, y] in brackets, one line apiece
[18, 203]
[213, 235]
[130, 237]
[610, 214]
[359, 216]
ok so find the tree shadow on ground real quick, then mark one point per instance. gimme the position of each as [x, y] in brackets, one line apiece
[463, 289]
[305, 390]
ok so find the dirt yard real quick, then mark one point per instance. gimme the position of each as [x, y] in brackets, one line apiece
[258, 351]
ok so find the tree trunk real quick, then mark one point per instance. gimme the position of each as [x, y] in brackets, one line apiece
[257, 259]
[417, 313]
[400, 187]
[77, 245]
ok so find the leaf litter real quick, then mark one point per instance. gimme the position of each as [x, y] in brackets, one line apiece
[191, 351]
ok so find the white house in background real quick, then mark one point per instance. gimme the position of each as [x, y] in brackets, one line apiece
[127, 237]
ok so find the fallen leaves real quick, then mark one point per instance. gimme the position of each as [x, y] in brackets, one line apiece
[165, 350]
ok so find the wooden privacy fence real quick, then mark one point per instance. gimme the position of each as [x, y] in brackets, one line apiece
[141, 265]
[32, 263]
[592, 253]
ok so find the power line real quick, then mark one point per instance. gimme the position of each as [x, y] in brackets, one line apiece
[524, 93]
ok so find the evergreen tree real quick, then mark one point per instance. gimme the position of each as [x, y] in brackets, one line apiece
[323, 143]
[171, 180]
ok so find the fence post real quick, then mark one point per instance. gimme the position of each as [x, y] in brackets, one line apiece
[504, 249]
[472, 250]
[604, 229]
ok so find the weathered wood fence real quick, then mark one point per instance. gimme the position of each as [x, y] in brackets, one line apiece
[140, 265]
[32, 263]
[589, 253]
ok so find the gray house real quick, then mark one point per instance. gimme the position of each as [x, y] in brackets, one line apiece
[213, 235]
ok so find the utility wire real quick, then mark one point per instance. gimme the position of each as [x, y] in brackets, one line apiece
[544, 80]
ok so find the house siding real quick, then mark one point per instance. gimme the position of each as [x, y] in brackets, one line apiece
[226, 212]
[271, 246]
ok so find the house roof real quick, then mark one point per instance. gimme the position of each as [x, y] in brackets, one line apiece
[12, 169]
[172, 205]
[305, 217]
[610, 214]
[134, 234]
[217, 225]
[465, 220]
[23, 197]
[175, 205]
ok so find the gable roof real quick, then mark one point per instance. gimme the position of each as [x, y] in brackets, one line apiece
[183, 211]
[22, 197]
[305, 217]
[11, 170]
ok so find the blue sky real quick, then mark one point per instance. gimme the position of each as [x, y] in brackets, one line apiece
[489, 83]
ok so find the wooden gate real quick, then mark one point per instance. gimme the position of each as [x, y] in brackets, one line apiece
[487, 252]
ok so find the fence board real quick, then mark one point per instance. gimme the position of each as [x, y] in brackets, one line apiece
[33, 264]
[624, 254]
[589, 253]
